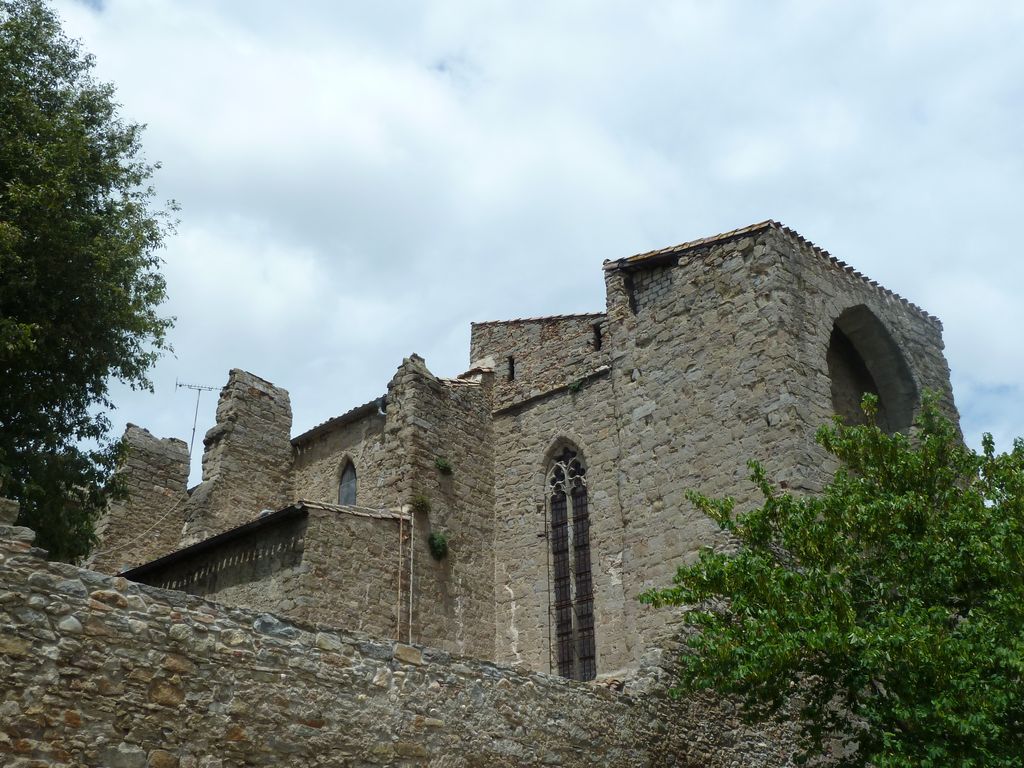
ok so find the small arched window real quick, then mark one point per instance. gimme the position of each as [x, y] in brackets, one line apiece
[573, 587]
[347, 485]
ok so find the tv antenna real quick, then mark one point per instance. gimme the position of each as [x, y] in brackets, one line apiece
[199, 388]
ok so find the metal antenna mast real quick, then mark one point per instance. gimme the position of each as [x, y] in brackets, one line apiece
[199, 388]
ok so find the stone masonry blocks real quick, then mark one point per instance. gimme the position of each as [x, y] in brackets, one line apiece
[247, 458]
[147, 524]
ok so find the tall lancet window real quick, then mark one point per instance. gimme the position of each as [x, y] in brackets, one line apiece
[573, 587]
[347, 484]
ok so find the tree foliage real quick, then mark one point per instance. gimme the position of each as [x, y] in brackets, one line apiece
[889, 608]
[79, 278]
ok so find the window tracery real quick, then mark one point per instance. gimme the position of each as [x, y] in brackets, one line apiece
[573, 588]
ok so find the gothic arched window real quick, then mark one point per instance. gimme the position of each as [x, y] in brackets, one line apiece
[347, 485]
[573, 588]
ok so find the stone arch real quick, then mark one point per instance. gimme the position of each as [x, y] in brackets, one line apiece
[348, 481]
[863, 358]
[571, 593]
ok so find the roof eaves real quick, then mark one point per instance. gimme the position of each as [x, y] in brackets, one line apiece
[822, 253]
[338, 421]
[672, 253]
[662, 254]
[292, 510]
[543, 318]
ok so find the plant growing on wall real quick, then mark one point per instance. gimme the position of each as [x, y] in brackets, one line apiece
[892, 603]
[443, 465]
[420, 504]
[438, 544]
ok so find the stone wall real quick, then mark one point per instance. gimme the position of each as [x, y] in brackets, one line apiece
[309, 562]
[719, 355]
[352, 572]
[544, 352]
[453, 604]
[148, 523]
[823, 289]
[97, 670]
[260, 567]
[526, 439]
[320, 456]
[247, 458]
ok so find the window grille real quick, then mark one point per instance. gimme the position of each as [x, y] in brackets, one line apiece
[573, 587]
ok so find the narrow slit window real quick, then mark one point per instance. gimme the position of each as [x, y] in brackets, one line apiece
[511, 368]
[597, 336]
[347, 485]
[572, 592]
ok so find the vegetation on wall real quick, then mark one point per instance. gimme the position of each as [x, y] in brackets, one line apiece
[420, 504]
[443, 465]
[79, 276]
[438, 543]
[892, 603]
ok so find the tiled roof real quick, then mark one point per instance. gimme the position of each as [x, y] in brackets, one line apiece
[352, 509]
[459, 383]
[542, 319]
[652, 257]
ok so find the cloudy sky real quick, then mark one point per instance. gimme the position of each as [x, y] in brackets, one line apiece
[359, 181]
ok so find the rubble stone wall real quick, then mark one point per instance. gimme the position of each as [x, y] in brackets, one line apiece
[247, 458]
[320, 460]
[350, 574]
[824, 290]
[546, 353]
[526, 438]
[451, 421]
[148, 523]
[721, 358]
[97, 670]
[333, 566]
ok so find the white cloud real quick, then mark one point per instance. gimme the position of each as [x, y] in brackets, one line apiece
[359, 181]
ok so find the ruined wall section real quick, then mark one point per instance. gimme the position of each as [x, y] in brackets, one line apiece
[100, 671]
[246, 460]
[146, 524]
[824, 288]
[320, 458]
[453, 598]
[525, 439]
[545, 352]
[702, 358]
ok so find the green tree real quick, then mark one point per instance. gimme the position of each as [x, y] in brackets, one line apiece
[79, 279]
[889, 609]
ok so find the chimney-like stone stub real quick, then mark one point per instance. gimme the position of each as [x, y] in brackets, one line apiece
[247, 458]
[146, 524]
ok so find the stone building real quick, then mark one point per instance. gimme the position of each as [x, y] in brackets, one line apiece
[554, 468]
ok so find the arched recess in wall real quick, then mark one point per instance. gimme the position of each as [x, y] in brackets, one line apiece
[863, 357]
[347, 483]
[571, 593]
